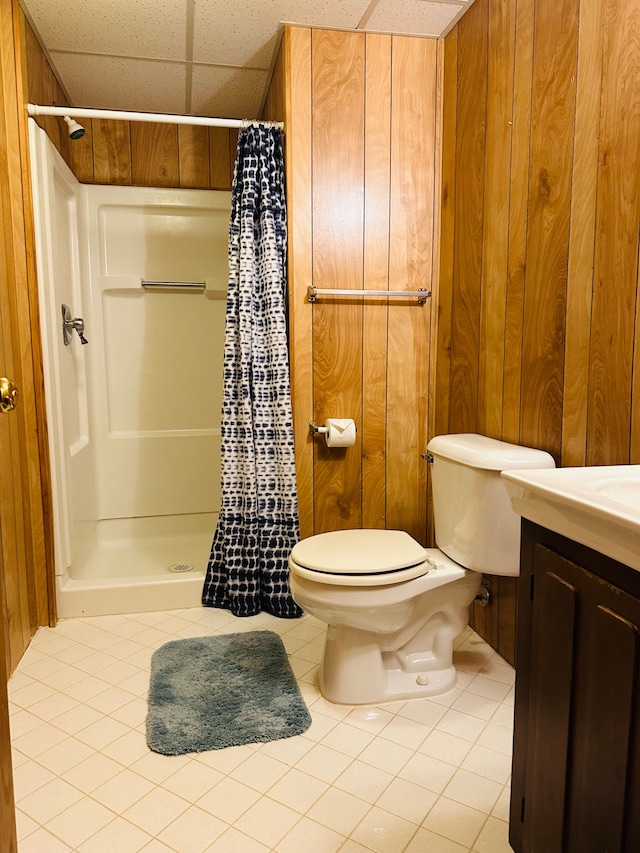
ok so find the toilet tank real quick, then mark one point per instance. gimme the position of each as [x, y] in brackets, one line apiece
[474, 522]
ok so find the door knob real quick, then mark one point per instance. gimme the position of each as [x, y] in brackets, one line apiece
[9, 394]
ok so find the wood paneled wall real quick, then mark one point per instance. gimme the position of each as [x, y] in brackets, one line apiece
[539, 294]
[361, 190]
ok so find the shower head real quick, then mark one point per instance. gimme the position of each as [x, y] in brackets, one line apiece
[76, 131]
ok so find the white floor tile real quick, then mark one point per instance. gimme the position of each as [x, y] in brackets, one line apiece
[408, 800]
[339, 811]
[298, 790]
[119, 835]
[493, 838]
[81, 820]
[309, 835]
[455, 821]
[259, 771]
[267, 821]
[233, 841]
[156, 810]
[228, 800]
[384, 832]
[41, 840]
[430, 774]
[473, 790]
[193, 831]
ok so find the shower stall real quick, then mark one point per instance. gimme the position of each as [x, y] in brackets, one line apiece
[132, 301]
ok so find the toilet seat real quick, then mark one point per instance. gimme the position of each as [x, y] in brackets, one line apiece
[360, 558]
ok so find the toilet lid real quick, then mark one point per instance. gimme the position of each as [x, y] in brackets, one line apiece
[359, 552]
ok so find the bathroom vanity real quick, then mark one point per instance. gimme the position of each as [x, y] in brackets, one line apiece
[576, 758]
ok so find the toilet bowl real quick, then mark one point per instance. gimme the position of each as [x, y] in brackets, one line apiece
[394, 608]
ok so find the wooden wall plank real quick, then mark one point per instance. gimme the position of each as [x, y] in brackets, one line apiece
[81, 155]
[582, 236]
[193, 156]
[518, 203]
[552, 128]
[338, 65]
[616, 251]
[414, 85]
[154, 155]
[274, 105]
[444, 296]
[111, 152]
[500, 48]
[469, 205]
[220, 165]
[297, 81]
[376, 277]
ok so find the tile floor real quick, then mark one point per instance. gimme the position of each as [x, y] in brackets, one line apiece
[426, 776]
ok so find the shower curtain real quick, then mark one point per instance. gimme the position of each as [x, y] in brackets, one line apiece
[258, 523]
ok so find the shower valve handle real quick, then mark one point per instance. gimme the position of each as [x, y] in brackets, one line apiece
[70, 323]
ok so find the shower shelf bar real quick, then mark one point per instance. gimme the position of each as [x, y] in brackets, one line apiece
[174, 285]
[122, 115]
[314, 292]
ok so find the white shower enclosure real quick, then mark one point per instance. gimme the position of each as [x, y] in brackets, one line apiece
[134, 414]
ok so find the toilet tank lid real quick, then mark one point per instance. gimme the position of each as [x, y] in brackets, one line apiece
[489, 454]
[361, 551]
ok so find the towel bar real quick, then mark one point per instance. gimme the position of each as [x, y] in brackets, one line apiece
[314, 292]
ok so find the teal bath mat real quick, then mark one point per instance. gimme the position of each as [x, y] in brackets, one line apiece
[211, 692]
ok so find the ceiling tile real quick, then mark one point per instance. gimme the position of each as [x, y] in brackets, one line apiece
[227, 92]
[105, 82]
[154, 29]
[413, 16]
[248, 36]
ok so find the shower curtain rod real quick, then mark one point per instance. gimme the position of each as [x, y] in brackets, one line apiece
[121, 115]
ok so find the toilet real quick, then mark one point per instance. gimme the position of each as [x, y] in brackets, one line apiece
[394, 608]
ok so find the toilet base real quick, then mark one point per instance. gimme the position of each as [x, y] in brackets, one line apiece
[399, 686]
[355, 671]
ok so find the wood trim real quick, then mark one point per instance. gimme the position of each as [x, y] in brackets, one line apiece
[297, 81]
[8, 835]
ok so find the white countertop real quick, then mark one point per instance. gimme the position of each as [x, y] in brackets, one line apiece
[597, 506]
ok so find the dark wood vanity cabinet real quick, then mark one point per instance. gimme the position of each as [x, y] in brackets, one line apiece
[576, 757]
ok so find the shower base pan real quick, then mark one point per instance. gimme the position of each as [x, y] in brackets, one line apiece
[137, 565]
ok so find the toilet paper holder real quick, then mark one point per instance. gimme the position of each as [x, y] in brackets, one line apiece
[342, 424]
[314, 429]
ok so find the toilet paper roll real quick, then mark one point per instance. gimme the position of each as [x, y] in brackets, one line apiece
[340, 432]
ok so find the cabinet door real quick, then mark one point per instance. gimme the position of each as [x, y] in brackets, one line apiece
[583, 762]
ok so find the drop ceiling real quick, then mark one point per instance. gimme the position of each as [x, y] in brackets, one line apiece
[200, 57]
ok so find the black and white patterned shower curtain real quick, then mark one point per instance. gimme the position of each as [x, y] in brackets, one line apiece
[258, 523]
